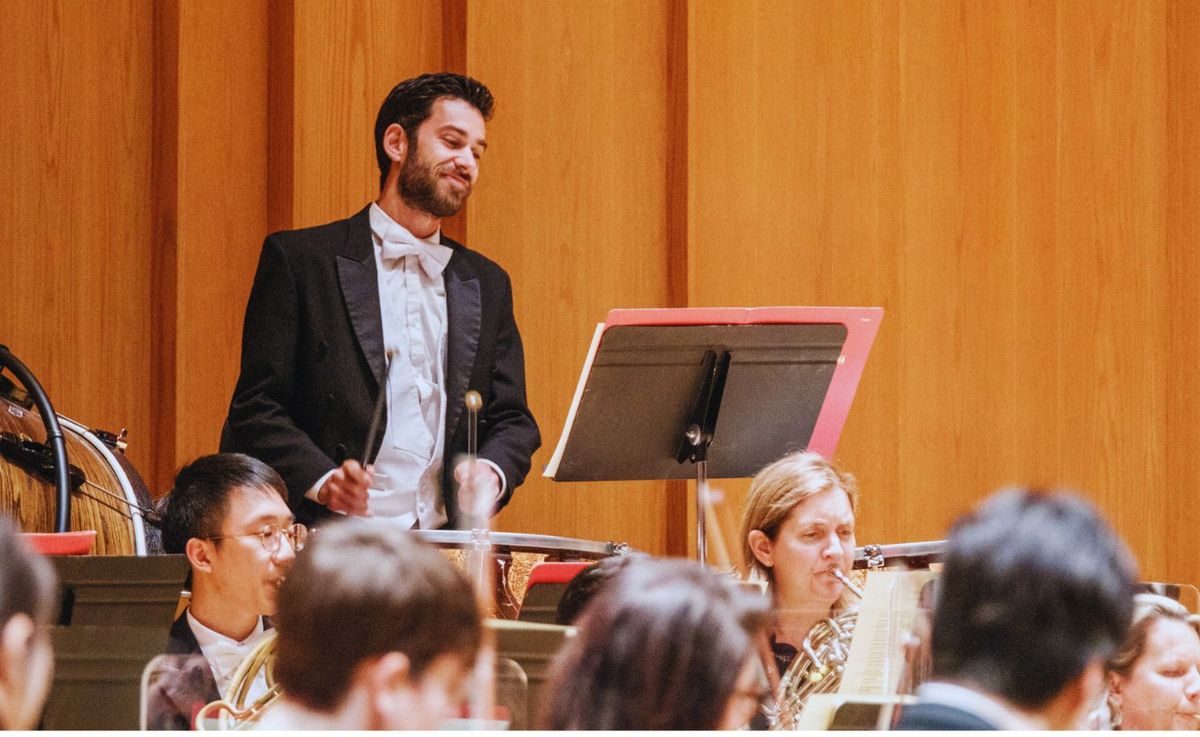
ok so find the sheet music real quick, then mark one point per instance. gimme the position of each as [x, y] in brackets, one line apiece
[885, 617]
[552, 467]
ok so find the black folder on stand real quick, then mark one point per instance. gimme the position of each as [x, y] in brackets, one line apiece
[655, 382]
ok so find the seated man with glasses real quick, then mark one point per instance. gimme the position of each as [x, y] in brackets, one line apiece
[227, 513]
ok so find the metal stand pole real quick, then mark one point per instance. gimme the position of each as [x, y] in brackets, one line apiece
[701, 507]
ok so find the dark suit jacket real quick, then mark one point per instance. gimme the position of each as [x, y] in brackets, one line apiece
[183, 685]
[928, 716]
[312, 352]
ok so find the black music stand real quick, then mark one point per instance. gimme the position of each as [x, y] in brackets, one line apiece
[655, 382]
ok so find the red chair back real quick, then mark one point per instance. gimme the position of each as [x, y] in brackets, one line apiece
[545, 587]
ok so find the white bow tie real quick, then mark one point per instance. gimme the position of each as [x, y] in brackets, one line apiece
[228, 652]
[433, 259]
[225, 657]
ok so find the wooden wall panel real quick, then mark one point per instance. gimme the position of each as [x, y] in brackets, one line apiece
[1015, 183]
[1182, 406]
[794, 172]
[1111, 269]
[345, 59]
[75, 207]
[998, 178]
[220, 209]
[978, 129]
[573, 203]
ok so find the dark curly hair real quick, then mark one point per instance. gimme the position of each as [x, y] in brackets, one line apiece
[409, 104]
[27, 582]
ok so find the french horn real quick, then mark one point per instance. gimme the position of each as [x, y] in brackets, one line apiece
[232, 712]
[819, 664]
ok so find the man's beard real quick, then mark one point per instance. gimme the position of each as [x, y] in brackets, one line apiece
[419, 189]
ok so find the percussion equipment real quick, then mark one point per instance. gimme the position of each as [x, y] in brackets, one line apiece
[481, 569]
[516, 553]
[907, 556]
[51, 457]
[108, 495]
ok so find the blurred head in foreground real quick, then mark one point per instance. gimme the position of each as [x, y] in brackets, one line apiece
[586, 584]
[1035, 594]
[665, 644]
[376, 631]
[26, 604]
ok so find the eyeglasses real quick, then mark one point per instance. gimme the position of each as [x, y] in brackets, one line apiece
[270, 535]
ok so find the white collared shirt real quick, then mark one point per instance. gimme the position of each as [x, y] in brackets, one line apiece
[408, 469]
[225, 654]
[407, 491]
[410, 463]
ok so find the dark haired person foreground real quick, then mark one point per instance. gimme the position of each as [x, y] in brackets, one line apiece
[26, 605]
[1035, 594]
[227, 514]
[665, 644]
[330, 304]
[581, 589]
[376, 631]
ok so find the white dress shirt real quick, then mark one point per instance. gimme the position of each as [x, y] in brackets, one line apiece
[412, 301]
[225, 654]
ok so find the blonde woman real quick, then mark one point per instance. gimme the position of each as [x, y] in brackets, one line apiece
[1154, 679]
[798, 525]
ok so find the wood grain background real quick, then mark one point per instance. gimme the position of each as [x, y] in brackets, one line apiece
[1017, 184]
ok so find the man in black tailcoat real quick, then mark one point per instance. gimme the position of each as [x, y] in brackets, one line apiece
[383, 301]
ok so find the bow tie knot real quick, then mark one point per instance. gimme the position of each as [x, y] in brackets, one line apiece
[228, 653]
[396, 248]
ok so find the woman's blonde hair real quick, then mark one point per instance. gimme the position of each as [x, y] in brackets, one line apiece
[776, 491]
[1147, 609]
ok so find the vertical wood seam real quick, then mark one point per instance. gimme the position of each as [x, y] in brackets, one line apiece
[164, 171]
[281, 115]
[678, 252]
[454, 59]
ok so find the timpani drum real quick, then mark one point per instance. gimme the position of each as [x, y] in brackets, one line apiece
[109, 497]
[516, 553]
